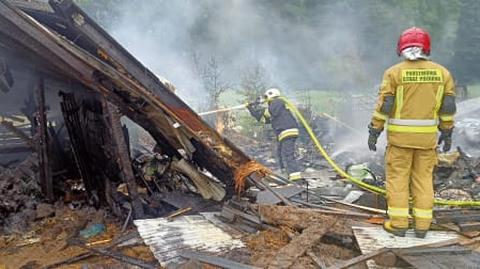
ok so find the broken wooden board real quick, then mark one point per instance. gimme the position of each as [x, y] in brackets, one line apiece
[217, 261]
[310, 236]
[373, 238]
[301, 218]
[443, 258]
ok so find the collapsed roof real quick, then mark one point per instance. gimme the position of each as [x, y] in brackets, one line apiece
[58, 40]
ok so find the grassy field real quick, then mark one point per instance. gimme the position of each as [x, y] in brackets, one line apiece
[320, 100]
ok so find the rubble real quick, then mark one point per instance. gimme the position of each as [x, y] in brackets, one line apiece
[20, 195]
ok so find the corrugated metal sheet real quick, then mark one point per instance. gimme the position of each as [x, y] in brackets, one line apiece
[167, 239]
[373, 238]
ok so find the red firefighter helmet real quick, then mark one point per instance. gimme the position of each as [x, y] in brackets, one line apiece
[414, 37]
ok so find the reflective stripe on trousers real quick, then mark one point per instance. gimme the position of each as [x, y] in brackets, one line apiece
[422, 213]
[397, 212]
[288, 133]
[409, 172]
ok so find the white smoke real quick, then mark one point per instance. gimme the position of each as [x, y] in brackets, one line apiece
[317, 53]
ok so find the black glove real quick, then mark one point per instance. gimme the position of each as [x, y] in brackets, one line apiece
[446, 139]
[373, 137]
[252, 107]
[255, 110]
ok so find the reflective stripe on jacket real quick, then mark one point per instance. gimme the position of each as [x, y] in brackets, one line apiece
[283, 122]
[418, 88]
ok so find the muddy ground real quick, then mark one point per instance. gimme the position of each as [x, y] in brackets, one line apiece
[48, 242]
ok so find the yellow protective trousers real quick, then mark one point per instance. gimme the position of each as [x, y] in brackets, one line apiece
[410, 170]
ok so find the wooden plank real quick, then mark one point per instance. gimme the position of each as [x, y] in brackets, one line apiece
[358, 259]
[438, 258]
[213, 260]
[457, 218]
[310, 236]
[371, 239]
[434, 251]
[365, 208]
[455, 228]
[321, 264]
[469, 227]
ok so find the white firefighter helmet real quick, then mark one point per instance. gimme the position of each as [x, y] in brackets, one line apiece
[272, 93]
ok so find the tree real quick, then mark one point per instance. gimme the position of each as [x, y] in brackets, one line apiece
[213, 82]
[253, 83]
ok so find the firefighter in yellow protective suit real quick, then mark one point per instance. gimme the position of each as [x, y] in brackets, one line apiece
[416, 101]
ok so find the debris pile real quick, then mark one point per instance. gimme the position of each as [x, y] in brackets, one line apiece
[457, 176]
[20, 194]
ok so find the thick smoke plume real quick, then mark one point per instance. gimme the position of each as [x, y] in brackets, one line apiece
[309, 44]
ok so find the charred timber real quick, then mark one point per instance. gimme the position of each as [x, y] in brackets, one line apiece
[123, 158]
[43, 150]
[124, 81]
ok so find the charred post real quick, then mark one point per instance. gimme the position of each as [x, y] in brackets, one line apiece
[121, 151]
[46, 180]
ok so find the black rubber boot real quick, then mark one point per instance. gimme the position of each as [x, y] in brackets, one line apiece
[400, 232]
[420, 233]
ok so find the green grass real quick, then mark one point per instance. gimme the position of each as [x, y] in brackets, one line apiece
[320, 100]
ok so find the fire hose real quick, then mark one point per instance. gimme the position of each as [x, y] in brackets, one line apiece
[354, 180]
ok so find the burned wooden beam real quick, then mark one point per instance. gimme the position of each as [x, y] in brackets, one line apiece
[46, 180]
[70, 111]
[136, 93]
[120, 150]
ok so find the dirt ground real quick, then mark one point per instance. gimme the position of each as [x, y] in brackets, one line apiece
[47, 242]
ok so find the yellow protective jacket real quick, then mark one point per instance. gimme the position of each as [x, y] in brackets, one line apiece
[418, 89]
